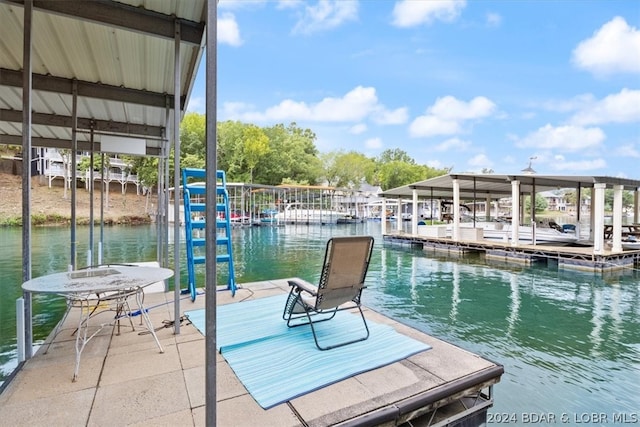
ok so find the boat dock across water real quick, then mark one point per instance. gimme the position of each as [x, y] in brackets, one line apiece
[578, 257]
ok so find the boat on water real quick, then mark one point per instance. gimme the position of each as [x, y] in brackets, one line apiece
[544, 235]
[544, 232]
[628, 244]
[301, 213]
[268, 217]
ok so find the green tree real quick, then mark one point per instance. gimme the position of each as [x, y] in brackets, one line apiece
[395, 155]
[255, 147]
[292, 155]
[627, 199]
[230, 151]
[541, 204]
[345, 170]
[192, 135]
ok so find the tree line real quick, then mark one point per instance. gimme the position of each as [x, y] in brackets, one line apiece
[280, 154]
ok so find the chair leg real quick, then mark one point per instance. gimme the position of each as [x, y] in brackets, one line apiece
[329, 347]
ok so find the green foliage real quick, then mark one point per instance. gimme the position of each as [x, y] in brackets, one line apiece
[147, 170]
[395, 155]
[541, 204]
[345, 170]
[286, 154]
[85, 163]
[255, 145]
[192, 135]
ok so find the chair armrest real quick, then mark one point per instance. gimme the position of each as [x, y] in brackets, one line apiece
[304, 286]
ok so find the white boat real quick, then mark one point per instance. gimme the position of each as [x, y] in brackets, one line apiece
[502, 232]
[628, 244]
[300, 213]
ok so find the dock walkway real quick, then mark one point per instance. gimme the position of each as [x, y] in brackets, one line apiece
[124, 380]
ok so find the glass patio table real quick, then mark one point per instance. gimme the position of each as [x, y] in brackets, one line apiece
[113, 283]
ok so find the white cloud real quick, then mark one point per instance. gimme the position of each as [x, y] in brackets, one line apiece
[436, 164]
[568, 105]
[453, 144]
[563, 138]
[234, 110]
[240, 4]
[326, 15]
[196, 104]
[614, 48]
[355, 106]
[410, 13]
[373, 143]
[391, 117]
[454, 109]
[426, 126]
[628, 151]
[228, 30]
[447, 115]
[289, 4]
[623, 107]
[358, 129]
[480, 161]
[580, 165]
[493, 19]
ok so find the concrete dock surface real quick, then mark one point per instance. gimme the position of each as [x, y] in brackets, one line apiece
[125, 380]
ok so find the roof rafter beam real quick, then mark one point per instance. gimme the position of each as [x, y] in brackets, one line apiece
[462, 190]
[83, 123]
[62, 144]
[123, 16]
[89, 90]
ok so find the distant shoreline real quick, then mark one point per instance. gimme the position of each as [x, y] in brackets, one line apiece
[51, 206]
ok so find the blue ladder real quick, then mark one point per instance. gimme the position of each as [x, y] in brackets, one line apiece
[194, 194]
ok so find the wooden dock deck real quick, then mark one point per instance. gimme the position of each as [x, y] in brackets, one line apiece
[570, 257]
[124, 380]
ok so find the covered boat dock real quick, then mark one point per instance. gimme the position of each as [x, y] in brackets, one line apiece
[602, 249]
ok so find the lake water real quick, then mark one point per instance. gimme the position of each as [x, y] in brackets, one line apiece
[569, 341]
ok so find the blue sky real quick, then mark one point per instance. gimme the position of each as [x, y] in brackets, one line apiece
[463, 84]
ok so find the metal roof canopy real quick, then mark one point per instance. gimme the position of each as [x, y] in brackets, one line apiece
[476, 186]
[119, 56]
[73, 70]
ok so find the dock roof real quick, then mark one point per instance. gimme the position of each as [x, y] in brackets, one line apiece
[495, 186]
[117, 56]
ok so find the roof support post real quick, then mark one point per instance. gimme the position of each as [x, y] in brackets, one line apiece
[26, 173]
[533, 211]
[487, 209]
[91, 166]
[515, 212]
[102, 177]
[176, 179]
[456, 210]
[617, 219]
[211, 181]
[598, 213]
[636, 206]
[414, 216]
[399, 215]
[74, 169]
[383, 216]
[167, 150]
[578, 210]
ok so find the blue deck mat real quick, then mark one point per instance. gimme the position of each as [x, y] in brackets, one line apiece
[276, 363]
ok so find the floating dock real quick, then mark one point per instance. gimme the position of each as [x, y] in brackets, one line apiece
[570, 257]
[124, 380]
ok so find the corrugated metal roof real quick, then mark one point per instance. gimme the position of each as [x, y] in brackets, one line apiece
[120, 53]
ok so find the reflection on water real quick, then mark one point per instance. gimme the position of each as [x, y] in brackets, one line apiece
[569, 341]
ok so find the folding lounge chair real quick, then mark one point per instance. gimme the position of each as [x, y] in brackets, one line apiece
[341, 283]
